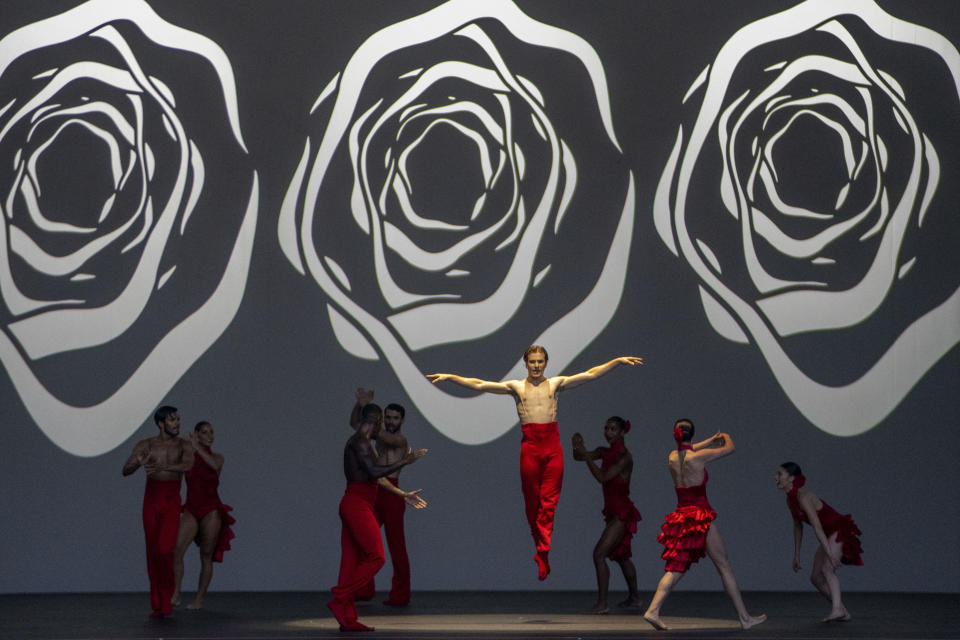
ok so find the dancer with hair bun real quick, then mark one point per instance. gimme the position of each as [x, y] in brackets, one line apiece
[616, 466]
[838, 535]
[689, 532]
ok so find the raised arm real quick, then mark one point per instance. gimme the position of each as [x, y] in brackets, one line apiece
[364, 397]
[214, 460]
[580, 452]
[476, 384]
[568, 382]
[718, 446]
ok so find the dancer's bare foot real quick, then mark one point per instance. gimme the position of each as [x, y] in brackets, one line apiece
[600, 608]
[752, 621]
[838, 615]
[175, 600]
[632, 602]
[196, 605]
[655, 621]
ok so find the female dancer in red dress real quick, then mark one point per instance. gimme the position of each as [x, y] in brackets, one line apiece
[616, 465]
[688, 533]
[204, 519]
[838, 536]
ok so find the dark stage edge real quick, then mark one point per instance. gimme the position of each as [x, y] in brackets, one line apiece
[474, 614]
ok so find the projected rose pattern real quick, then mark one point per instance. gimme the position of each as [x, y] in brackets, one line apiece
[806, 260]
[474, 85]
[108, 253]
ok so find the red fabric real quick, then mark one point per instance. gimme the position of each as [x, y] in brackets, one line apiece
[161, 522]
[848, 534]
[361, 550]
[617, 503]
[541, 478]
[389, 509]
[684, 532]
[202, 498]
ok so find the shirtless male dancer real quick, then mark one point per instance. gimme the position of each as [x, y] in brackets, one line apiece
[391, 501]
[361, 548]
[541, 456]
[164, 458]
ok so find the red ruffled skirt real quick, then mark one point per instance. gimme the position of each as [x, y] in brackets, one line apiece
[684, 536]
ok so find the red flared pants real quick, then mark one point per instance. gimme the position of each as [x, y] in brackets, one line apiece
[361, 550]
[541, 478]
[389, 509]
[161, 522]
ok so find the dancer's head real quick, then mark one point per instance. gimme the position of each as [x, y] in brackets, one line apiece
[371, 413]
[204, 431]
[168, 420]
[535, 357]
[683, 430]
[393, 416]
[786, 474]
[615, 428]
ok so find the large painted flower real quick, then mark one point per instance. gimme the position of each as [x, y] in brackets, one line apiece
[464, 183]
[804, 193]
[123, 249]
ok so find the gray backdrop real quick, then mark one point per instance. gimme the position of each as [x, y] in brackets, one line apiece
[777, 241]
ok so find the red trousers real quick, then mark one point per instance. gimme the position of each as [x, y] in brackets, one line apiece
[541, 478]
[389, 509]
[361, 550]
[161, 522]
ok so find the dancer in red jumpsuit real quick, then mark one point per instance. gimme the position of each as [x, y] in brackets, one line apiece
[361, 548]
[616, 466]
[204, 518]
[838, 535]
[391, 504]
[689, 532]
[164, 458]
[541, 456]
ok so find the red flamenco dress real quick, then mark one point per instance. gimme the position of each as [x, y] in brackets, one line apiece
[848, 534]
[684, 532]
[617, 503]
[202, 498]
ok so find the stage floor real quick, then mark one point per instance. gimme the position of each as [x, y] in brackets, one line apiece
[487, 614]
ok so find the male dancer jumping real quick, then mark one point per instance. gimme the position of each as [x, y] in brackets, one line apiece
[361, 547]
[391, 500]
[164, 458]
[541, 456]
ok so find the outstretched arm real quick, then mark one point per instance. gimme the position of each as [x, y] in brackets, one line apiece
[568, 382]
[412, 498]
[476, 384]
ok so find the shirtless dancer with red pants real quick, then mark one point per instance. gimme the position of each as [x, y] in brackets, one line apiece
[361, 548]
[392, 501]
[541, 456]
[165, 458]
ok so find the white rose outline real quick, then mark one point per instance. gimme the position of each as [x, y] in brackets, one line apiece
[42, 327]
[782, 307]
[418, 319]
